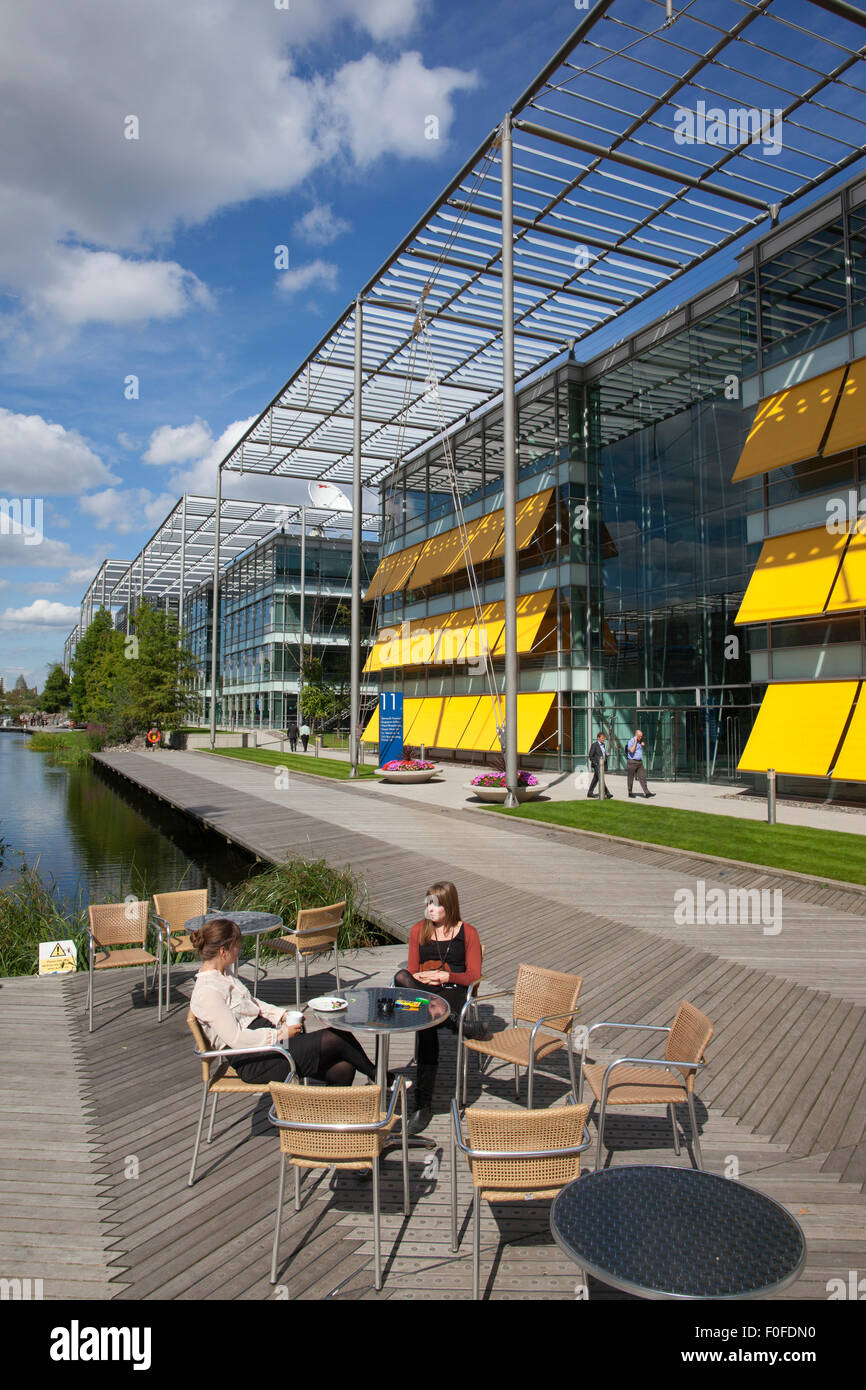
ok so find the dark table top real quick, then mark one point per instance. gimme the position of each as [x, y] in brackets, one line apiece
[362, 1014]
[250, 923]
[677, 1233]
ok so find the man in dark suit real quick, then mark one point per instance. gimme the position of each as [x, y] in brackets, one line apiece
[598, 758]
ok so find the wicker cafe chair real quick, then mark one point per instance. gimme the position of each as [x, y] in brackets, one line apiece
[119, 925]
[515, 1155]
[543, 999]
[653, 1081]
[340, 1127]
[171, 911]
[223, 1080]
[315, 935]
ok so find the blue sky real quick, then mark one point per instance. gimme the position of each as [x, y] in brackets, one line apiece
[257, 126]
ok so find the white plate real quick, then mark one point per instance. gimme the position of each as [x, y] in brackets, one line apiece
[327, 1005]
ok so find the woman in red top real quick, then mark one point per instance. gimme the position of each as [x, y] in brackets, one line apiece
[445, 959]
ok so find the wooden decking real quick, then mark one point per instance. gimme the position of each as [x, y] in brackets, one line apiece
[781, 1103]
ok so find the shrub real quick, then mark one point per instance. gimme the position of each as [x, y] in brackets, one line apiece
[287, 888]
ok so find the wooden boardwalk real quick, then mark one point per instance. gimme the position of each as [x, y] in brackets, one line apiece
[781, 1102]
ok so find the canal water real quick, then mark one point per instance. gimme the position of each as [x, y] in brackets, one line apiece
[96, 838]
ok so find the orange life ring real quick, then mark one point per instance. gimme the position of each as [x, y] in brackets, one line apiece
[154, 736]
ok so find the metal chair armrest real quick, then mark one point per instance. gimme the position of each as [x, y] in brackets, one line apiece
[497, 994]
[646, 1027]
[315, 931]
[649, 1062]
[399, 1086]
[560, 1013]
[244, 1051]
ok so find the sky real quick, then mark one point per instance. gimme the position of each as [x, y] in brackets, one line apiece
[155, 156]
[159, 155]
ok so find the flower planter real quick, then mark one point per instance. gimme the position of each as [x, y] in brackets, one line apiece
[498, 794]
[422, 776]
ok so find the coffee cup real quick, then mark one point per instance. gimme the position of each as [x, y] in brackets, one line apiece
[294, 1017]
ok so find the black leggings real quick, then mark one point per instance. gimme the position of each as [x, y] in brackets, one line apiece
[328, 1054]
[427, 1041]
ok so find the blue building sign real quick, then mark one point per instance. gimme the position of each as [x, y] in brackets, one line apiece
[390, 727]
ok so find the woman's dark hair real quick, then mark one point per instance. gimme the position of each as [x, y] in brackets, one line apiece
[214, 934]
[446, 894]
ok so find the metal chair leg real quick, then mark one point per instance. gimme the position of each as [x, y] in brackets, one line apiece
[90, 996]
[672, 1114]
[337, 968]
[695, 1139]
[280, 1190]
[517, 1082]
[197, 1137]
[297, 981]
[601, 1111]
[404, 1136]
[476, 1242]
[454, 1243]
[529, 1082]
[377, 1237]
[212, 1117]
[297, 1188]
[571, 1068]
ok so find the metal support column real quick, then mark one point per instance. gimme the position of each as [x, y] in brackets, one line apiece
[509, 463]
[182, 571]
[355, 668]
[299, 718]
[214, 634]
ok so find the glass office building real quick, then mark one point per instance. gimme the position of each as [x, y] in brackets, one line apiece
[259, 646]
[637, 543]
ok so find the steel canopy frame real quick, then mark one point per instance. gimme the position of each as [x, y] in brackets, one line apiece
[641, 198]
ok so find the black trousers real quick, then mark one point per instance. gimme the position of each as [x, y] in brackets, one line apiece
[427, 1040]
[595, 780]
[306, 1051]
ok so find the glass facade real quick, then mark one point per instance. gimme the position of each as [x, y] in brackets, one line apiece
[260, 627]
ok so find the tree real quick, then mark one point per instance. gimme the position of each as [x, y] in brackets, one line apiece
[318, 697]
[94, 644]
[55, 695]
[164, 670]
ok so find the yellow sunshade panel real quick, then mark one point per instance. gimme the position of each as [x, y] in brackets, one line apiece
[849, 591]
[425, 723]
[527, 521]
[411, 712]
[371, 733]
[849, 423]
[394, 571]
[798, 728]
[532, 710]
[374, 660]
[531, 609]
[793, 576]
[452, 721]
[851, 763]
[480, 732]
[484, 536]
[441, 555]
[790, 425]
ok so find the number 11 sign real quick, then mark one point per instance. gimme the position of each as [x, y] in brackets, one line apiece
[390, 728]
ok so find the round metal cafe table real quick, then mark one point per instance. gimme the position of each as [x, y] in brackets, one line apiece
[361, 1015]
[679, 1233]
[251, 924]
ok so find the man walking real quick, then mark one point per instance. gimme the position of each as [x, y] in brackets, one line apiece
[634, 766]
[305, 735]
[598, 760]
[292, 732]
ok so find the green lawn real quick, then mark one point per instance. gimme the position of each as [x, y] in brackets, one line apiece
[825, 853]
[295, 762]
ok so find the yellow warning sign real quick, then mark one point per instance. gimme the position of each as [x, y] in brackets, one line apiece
[56, 957]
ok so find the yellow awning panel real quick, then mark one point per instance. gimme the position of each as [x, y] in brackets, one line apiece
[371, 733]
[441, 555]
[452, 722]
[531, 609]
[793, 576]
[790, 425]
[798, 728]
[851, 763]
[532, 710]
[480, 732]
[394, 571]
[484, 535]
[527, 521]
[849, 423]
[426, 722]
[466, 722]
[849, 591]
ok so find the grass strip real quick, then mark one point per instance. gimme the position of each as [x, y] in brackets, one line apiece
[295, 762]
[825, 853]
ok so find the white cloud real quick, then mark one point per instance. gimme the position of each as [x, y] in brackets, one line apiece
[43, 613]
[386, 108]
[37, 454]
[103, 287]
[178, 444]
[45, 586]
[82, 206]
[316, 272]
[127, 442]
[320, 226]
[132, 509]
[200, 476]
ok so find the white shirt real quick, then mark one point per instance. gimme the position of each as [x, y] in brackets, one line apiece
[225, 1008]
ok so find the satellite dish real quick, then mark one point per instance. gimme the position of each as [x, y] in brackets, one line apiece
[328, 497]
